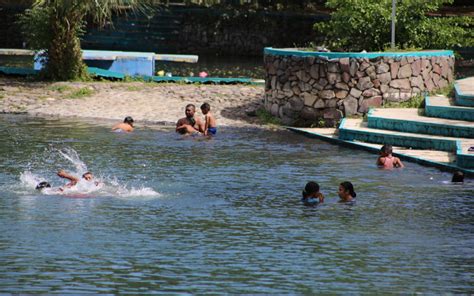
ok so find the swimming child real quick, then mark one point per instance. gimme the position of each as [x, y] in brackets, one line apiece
[386, 160]
[210, 126]
[311, 194]
[73, 181]
[346, 192]
[126, 125]
[458, 177]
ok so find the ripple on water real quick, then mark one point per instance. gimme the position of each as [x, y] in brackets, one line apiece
[189, 217]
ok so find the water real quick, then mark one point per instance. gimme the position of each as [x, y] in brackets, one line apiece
[222, 216]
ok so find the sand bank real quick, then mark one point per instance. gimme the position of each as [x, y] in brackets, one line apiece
[145, 102]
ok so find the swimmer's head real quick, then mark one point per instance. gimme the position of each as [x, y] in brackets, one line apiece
[128, 120]
[87, 176]
[310, 189]
[346, 188]
[205, 108]
[386, 150]
[190, 110]
[458, 177]
[43, 185]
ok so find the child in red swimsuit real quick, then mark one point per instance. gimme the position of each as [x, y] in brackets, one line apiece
[386, 160]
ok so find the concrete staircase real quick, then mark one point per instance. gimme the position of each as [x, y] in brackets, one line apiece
[442, 133]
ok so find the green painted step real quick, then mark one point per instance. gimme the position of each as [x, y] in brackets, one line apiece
[409, 120]
[464, 92]
[440, 159]
[353, 129]
[443, 107]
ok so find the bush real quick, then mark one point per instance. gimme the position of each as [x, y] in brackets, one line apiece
[357, 25]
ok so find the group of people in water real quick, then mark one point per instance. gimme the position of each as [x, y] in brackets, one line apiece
[191, 125]
[188, 125]
[312, 196]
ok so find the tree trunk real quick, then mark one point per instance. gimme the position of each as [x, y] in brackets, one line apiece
[64, 56]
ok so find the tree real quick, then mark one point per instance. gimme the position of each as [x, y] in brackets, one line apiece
[55, 26]
[365, 25]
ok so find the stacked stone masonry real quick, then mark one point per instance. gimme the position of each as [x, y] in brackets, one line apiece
[304, 90]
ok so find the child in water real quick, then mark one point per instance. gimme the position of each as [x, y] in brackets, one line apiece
[386, 160]
[126, 125]
[346, 192]
[73, 180]
[210, 127]
[458, 177]
[311, 194]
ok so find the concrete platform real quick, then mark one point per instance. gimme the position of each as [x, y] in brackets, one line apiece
[411, 120]
[443, 107]
[464, 92]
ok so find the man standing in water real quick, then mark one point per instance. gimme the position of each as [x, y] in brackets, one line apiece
[189, 124]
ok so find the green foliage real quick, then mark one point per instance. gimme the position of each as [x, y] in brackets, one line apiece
[417, 101]
[357, 25]
[267, 118]
[54, 26]
[319, 124]
[81, 93]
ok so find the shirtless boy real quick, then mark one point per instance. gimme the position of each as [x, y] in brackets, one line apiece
[126, 125]
[386, 160]
[210, 125]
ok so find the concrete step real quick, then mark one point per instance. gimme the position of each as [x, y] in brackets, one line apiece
[443, 107]
[357, 130]
[465, 154]
[411, 121]
[441, 159]
[464, 92]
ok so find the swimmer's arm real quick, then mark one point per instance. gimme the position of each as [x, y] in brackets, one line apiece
[398, 163]
[379, 160]
[321, 197]
[65, 175]
[117, 126]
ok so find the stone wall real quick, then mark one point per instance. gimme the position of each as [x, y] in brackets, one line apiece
[303, 88]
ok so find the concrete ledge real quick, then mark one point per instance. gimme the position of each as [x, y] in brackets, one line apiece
[358, 55]
[448, 110]
[375, 150]
[463, 159]
[396, 139]
[461, 93]
[419, 127]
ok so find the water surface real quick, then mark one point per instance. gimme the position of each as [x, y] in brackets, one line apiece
[222, 216]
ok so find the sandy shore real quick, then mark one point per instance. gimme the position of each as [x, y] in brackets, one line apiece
[149, 103]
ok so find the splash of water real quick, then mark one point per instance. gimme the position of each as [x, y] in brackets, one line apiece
[99, 186]
[72, 156]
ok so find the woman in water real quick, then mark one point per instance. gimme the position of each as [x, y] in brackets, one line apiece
[346, 192]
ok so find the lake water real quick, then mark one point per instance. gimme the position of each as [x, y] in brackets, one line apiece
[174, 215]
